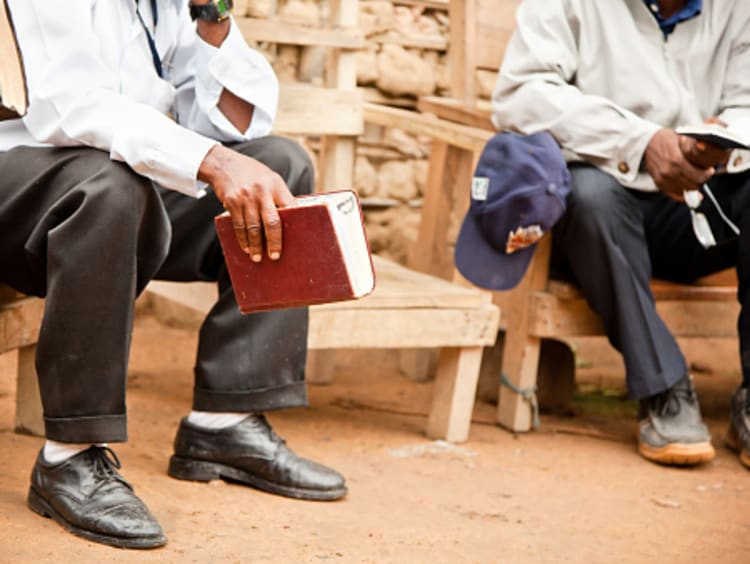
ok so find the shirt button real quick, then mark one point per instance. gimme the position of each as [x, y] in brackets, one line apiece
[654, 7]
[623, 167]
[737, 161]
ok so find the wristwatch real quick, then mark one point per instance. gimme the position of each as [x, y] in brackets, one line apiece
[214, 11]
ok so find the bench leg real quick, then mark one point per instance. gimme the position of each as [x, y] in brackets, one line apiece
[29, 418]
[453, 397]
[320, 365]
[520, 364]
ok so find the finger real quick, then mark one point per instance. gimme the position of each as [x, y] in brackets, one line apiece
[238, 222]
[693, 177]
[253, 231]
[272, 228]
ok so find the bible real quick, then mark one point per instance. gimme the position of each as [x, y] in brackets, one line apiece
[325, 256]
[713, 133]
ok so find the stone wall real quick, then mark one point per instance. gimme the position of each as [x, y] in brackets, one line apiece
[405, 57]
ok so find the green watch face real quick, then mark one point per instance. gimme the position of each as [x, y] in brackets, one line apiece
[223, 7]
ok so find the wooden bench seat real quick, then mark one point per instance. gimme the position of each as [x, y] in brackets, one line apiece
[407, 310]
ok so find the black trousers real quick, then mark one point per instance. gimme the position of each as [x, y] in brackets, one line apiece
[612, 240]
[88, 234]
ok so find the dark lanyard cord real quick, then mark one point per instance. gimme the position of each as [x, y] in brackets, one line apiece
[151, 43]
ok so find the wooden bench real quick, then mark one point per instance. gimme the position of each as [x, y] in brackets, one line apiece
[407, 309]
[20, 318]
[539, 309]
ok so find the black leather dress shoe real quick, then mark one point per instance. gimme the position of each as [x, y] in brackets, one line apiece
[251, 453]
[87, 496]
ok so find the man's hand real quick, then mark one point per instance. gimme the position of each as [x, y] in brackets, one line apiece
[251, 193]
[671, 170]
[702, 154]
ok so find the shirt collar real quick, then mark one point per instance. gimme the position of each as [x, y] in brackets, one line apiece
[691, 9]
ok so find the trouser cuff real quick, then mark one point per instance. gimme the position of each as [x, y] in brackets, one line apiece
[92, 429]
[251, 401]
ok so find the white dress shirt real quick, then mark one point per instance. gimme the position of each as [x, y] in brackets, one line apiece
[600, 76]
[92, 81]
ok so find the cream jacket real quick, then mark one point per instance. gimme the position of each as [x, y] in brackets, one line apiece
[599, 75]
[91, 81]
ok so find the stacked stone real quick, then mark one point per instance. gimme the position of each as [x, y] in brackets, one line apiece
[405, 58]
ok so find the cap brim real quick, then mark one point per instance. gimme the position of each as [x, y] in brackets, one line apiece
[484, 266]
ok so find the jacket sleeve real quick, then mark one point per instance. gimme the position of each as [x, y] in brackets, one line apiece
[735, 100]
[535, 91]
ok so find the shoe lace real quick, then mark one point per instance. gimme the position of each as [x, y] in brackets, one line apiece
[271, 433]
[668, 402]
[106, 466]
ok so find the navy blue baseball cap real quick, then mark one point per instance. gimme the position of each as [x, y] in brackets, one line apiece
[518, 192]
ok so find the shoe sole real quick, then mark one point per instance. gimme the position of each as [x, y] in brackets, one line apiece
[204, 471]
[39, 505]
[733, 442]
[679, 454]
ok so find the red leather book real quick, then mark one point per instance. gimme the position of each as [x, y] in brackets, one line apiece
[325, 256]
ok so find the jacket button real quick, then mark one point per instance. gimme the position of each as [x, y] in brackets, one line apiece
[623, 167]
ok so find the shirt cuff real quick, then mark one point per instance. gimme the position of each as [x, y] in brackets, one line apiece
[248, 75]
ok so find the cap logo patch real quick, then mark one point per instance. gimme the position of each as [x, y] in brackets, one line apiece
[480, 185]
[522, 238]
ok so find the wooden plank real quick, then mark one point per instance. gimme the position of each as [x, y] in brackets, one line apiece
[20, 322]
[430, 42]
[453, 395]
[462, 136]
[521, 355]
[277, 31]
[454, 110]
[462, 52]
[701, 290]
[426, 4]
[399, 328]
[495, 23]
[573, 318]
[29, 417]
[337, 112]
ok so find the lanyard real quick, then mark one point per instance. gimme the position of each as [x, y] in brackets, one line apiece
[151, 43]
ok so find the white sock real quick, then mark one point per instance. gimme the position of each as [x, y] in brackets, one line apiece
[55, 452]
[215, 420]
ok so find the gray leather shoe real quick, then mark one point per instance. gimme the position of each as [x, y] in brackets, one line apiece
[252, 454]
[671, 428]
[88, 497]
[738, 438]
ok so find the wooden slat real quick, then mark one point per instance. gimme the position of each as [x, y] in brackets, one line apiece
[453, 110]
[495, 23]
[701, 290]
[427, 4]
[402, 327]
[432, 43]
[19, 323]
[336, 112]
[12, 78]
[462, 136]
[573, 318]
[275, 31]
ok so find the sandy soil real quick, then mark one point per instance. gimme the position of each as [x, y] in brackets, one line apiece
[574, 491]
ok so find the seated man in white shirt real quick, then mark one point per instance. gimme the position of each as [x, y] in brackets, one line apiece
[143, 124]
[611, 81]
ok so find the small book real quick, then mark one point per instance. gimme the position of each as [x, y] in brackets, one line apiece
[13, 96]
[325, 256]
[715, 134]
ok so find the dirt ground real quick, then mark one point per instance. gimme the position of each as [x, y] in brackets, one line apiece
[573, 491]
